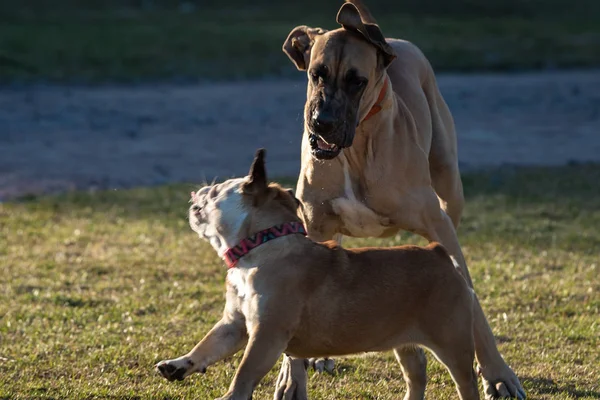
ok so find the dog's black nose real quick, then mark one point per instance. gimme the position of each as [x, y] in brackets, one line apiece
[323, 121]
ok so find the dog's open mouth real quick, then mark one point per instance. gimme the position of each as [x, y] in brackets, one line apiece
[321, 149]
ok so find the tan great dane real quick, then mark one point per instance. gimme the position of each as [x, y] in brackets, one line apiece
[378, 156]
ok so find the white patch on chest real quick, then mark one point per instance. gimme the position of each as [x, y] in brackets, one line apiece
[358, 219]
[237, 279]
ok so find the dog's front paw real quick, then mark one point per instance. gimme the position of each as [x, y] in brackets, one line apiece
[322, 364]
[177, 369]
[501, 383]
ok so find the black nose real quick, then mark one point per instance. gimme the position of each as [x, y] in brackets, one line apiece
[323, 121]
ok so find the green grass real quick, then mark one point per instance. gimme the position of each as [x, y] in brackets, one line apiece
[64, 42]
[97, 287]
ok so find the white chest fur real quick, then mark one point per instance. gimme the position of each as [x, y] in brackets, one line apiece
[358, 219]
[237, 279]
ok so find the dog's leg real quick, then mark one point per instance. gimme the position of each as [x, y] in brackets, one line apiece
[448, 186]
[263, 349]
[321, 365]
[414, 369]
[226, 338]
[443, 155]
[457, 355]
[291, 382]
[435, 225]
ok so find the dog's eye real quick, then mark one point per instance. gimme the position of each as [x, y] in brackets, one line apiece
[196, 208]
[354, 80]
[315, 77]
[318, 73]
[357, 81]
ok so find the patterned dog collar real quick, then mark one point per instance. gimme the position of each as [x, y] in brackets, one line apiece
[233, 254]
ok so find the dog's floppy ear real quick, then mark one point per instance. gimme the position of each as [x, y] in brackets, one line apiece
[298, 44]
[257, 183]
[349, 17]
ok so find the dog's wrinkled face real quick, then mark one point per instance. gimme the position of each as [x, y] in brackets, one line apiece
[342, 65]
[227, 212]
[218, 212]
[345, 68]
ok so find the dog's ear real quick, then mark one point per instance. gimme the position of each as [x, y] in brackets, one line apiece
[257, 182]
[291, 193]
[349, 17]
[298, 44]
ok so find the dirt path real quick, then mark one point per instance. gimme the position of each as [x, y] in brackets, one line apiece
[55, 138]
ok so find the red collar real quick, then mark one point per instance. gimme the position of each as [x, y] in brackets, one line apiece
[233, 254]
[377, 106]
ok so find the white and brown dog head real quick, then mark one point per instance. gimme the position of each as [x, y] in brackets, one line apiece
[225, 213]
[346, 68]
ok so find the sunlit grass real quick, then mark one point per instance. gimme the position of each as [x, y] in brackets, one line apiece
[97, 287]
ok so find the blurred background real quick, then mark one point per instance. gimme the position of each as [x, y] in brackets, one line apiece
[141, 40]
[109, 94]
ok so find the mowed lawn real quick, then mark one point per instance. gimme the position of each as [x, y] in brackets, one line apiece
[97, 287]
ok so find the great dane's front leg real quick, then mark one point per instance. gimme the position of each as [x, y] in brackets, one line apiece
[263, 349]
[498, 379]
[226, 338]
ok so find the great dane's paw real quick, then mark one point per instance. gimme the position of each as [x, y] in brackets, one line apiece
[501, 384]
[291, 383]
[177, 369]
[321, 365]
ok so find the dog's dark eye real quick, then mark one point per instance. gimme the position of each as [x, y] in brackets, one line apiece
[354, 80]
[319, 72]
[196, 208]
[357, 81]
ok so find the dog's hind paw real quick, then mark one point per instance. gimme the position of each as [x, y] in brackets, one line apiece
[321, 365]
[177, 369]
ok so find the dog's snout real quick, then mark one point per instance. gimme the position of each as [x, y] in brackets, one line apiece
[323, 120]
[196, 209]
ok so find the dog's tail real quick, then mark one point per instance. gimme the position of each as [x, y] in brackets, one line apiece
[365, 14]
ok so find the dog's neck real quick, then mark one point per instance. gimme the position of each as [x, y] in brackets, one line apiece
[243, 228]
[378, 102]
[381, 113]
[234, 254]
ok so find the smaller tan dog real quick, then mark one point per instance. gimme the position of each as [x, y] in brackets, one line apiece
[286, 293]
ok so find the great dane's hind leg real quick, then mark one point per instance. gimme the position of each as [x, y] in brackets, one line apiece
[443, 155]
[435, 225]
[448, 186]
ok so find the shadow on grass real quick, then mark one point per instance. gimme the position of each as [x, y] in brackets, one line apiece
[549, 386]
